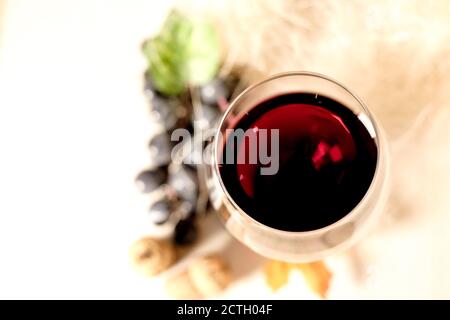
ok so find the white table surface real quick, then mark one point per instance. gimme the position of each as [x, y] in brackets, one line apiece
[73, 133]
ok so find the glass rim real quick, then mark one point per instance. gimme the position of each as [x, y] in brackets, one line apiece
[354, 211]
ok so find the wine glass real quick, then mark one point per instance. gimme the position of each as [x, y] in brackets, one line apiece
[303, 246]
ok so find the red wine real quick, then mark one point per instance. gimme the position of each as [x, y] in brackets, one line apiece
[326, 162]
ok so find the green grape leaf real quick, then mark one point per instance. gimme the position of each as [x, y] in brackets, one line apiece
[185, 52]
[202, 54]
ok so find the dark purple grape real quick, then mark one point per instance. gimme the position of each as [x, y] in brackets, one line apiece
[186, 231]
[184, 181]
[160, 211]
[149, 180]
[211, 92]
[165, 110]
[160, 149]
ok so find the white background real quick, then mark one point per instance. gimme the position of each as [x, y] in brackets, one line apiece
[73, 134]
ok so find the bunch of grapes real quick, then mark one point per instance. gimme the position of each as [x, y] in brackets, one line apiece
[179, 185]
